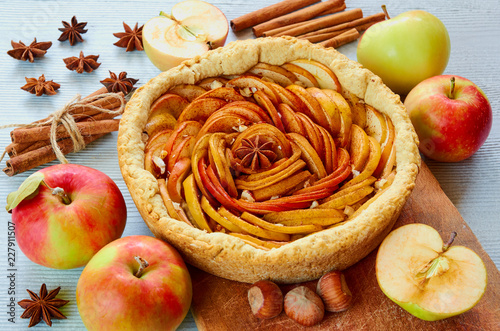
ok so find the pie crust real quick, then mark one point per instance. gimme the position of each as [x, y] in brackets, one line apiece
[304, 259]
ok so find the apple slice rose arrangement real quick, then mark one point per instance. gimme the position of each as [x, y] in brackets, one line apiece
[270, 155]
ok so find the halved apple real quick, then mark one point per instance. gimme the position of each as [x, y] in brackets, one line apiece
[193, 28]
[429, 279]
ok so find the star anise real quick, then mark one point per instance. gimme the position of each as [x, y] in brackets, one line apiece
[23, 52]
[72, 31]
[43, 306]
[119, 84]
[40, 86]
[83, 63]
[131, 39]
[256, 154]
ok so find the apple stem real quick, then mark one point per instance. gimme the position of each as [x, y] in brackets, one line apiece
[450, 241]
[384, 9]
[143, 264]
[61, 194]
[452, 88]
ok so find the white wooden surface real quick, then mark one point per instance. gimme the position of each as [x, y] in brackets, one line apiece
[472, 185]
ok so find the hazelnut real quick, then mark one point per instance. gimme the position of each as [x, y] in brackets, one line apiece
[333, 289]
[304, 306]
[265, 299]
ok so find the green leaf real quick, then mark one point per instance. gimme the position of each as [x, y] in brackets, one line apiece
[27, 188]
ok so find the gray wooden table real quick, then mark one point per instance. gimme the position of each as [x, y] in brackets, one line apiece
[472, 185]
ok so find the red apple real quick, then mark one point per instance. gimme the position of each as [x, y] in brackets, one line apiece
[134, 283]
[451, 115]
[66, 213]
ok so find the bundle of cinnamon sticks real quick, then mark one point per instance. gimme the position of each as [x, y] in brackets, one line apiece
[93, 117]
[324, 22]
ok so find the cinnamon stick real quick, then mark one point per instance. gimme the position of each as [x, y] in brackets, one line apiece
[23, 135]
[14, 149]
[299, 16]
[316, 37]
[342, 39]
[268, 13]
[41, 156]
[360, 25]
[324, 22]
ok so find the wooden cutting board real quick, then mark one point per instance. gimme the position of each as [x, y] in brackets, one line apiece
[221, 304]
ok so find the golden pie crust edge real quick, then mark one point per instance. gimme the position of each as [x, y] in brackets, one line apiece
[307, 258]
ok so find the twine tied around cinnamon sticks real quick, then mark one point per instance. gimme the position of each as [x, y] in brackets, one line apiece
[69, 129]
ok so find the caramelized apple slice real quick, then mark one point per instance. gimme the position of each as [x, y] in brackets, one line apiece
[376, 125]
[200, 151]
[325, 76]
[188, 128]
[387, 149]
[330, 108]
[252, 229]
[309, 155]
[322, 217]
[345, 116]
[201, 109]
[193, 203]
[217, 145]
[173, 209]
[257, 221]
[213, 214]
[314, 110]
[359, 148]
[290, 122]
[282, 187]
[225, 93]
[275, 73]
[154, 160]
[312, 133]
[170, 103]
[347, 199]
[264, 102]
[180, 170]
[253, 107]
[370, 165]
[224, 122]
[289, 98]
[253, 84]
[187, 91]
[159, 122]
[286, 162]
[304, 77]
[182, 148]
[160, 137]
[358, 110]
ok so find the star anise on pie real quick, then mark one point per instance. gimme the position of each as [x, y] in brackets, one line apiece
[131, 38]
[22, 52]
[43, 306]
[83, 63]
[40, 86]
[255, 153]
[72, 31]
[121, 83]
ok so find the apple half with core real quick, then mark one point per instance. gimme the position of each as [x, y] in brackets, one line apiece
[134, 283]
[66, 213]
[451, 115]
[429, 279]
[192, 28]
[405, 50]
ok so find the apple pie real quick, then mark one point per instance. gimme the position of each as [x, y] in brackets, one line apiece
[268, 159]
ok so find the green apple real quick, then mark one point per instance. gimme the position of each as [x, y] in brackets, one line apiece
[405, 50]
[192, 28]
[430, 280]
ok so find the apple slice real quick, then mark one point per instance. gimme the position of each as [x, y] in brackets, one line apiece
[322, 217]
[159, 122]
[277, 74]
[313, 134]
[358, 110]
[169, 103]
[259, 243]
[429, 279]
[359, 148]
[252, 84]
[309, 155]
[345, 116]
[303, 76]
[313, 110]
[213, 214]
[225, 93]
[173, 209]
[376, 125]
[290, 122]
[193, 203]
[293, 229]
[193, 28]
[188, 128]
[330, 108]
[325, 76]
[388, 153]
[347, 199]
[179, 172]
[371, 163]
[187, 91]
[282, 187]
[264, 102]
[201, 109]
